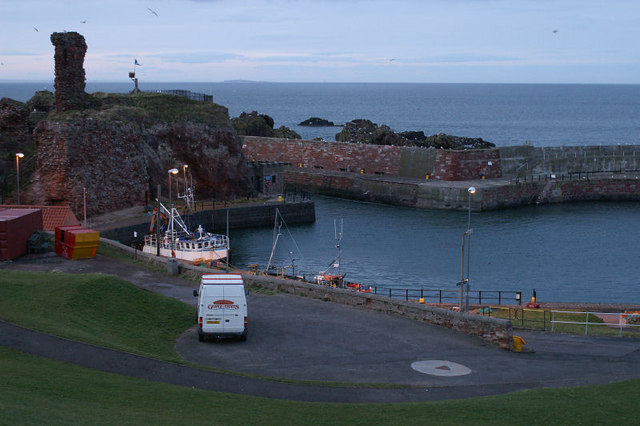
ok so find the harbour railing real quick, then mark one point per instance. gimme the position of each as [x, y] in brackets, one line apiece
[573, 322]
[442, 296]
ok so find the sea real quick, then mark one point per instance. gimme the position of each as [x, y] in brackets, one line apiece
[576, 252]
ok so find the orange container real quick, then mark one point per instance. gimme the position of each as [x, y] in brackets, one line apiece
[76, 242]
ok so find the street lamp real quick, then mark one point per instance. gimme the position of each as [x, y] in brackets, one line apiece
[471, 190]
[171, 172]
[19, 155]
[184, 171]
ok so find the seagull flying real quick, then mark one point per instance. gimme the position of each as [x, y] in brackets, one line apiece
[83, 22]
[392, 59]
[152, 11]
[555, 31]
[35, 29]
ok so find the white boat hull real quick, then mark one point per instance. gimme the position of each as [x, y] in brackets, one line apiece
[189, 256]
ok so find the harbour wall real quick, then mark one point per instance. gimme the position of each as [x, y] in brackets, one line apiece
[438, 179]
[493, 330]
[450, 165]
[490, 194]
[216, 220]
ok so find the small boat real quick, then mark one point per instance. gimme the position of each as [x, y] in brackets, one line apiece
[335, 279]
[178, 242]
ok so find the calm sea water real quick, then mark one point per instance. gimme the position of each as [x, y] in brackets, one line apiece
[505, 114]
[580, 252]
[574, 252]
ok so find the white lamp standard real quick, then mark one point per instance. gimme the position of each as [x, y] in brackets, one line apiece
[171, 172]
[471, 191]
[466, 234]
[19, 155]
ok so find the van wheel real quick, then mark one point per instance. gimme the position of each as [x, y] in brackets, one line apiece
[200, 336]
[243, 336]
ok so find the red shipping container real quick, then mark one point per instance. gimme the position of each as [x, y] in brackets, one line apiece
[16, 226]
[76, 242]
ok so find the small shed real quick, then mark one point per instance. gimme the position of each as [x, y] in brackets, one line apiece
[76, 242]
[267, 177]
[16, 226]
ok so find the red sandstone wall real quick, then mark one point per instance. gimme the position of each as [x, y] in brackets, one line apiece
[380, 159]
[467, 165]
[333, 156]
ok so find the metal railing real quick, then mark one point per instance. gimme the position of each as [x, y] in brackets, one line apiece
[620, 324]
[443, 296]
[573, 176]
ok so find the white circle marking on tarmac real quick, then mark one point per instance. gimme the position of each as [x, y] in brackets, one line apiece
[437, 367]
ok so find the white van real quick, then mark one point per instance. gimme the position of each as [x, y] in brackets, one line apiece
[222, 306]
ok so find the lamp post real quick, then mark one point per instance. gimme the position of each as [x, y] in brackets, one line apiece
[465, 282]
[471, 191]
[184, 174]
[171, 172]
[19, 155]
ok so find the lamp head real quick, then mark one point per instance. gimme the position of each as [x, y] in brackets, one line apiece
[19, 155]
[472, 190]
[173, 171]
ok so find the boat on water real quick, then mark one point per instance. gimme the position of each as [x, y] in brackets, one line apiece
[175, 240]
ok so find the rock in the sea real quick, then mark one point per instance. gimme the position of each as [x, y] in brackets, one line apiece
[254, 124]
[366, 131]
[316, 122]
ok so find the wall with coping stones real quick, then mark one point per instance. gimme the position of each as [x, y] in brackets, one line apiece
[333, 156]
[453, 165]
[493, 330]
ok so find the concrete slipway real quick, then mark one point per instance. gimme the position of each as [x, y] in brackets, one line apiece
[303, 339]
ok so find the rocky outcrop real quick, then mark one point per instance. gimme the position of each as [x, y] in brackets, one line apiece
[367, 132]
[255, 124]
[70, 77]
[120, 152]
[316, 122]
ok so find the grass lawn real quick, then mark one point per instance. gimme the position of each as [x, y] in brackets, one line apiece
[36, 391]
[99, 309]
[108, 311]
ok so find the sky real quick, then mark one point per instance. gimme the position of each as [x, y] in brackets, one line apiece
[430, 41]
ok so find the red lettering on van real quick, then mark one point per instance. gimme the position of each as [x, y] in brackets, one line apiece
[223, 304]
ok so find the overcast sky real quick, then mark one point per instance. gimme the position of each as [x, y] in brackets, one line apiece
[458, 41]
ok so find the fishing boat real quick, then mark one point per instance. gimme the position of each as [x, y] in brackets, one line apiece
[180, 243]
[332, 276]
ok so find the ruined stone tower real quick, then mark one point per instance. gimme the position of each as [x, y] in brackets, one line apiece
[70, 77]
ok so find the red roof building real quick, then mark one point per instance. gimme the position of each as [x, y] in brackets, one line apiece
[52, 216]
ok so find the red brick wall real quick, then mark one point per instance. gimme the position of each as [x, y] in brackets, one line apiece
[333, 156]
[467, 165]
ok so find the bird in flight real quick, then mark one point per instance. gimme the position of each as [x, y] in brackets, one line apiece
[555, 31]
[35, 29]
[392, 59]
[83, 22]
[152, 11]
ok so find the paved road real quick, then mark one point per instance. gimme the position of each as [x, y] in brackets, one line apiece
[298, 338]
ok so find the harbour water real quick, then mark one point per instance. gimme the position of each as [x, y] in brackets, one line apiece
[579, 252]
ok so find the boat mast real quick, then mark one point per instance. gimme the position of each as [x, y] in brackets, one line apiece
[338, 237]
[276, 227]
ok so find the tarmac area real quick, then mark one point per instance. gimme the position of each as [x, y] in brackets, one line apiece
[297, 338]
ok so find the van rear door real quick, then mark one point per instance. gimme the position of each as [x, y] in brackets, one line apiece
[234, 311]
